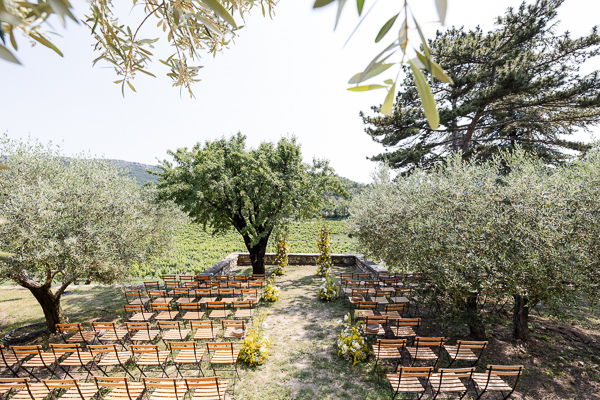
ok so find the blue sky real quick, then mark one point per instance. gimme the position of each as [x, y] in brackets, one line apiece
[286, 76]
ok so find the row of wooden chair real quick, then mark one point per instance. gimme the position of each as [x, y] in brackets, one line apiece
[104, 357]
[188, 295]
[114, 388]
[189, 311]
[416, 380]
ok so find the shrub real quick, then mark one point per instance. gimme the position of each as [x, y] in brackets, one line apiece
[351, 345]
[255, 349]
[329, 290]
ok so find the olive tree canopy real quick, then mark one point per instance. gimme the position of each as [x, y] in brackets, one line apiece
[74, 219]
[224, 185]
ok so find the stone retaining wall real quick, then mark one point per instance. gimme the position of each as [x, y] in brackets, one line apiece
[224, 266]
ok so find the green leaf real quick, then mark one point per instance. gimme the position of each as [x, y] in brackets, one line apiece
[5, 54]
[386, 108]
[10, 18]
[62, 8]
[321, 3]
[364, 88]
[435, 69]
[427, 100]
[221, 11]
[389, 81]
[46, 43]
[385, 28]
[130, 86]
[147, 73]
[341, 4]
[423, 40]
[209, 24]
[442, 6]
[359, 5]
[362, 76]
[5, 254]
[403, 36]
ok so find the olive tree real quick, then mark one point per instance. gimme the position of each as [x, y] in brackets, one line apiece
[75, 219]
[507, 227]
[224, 185]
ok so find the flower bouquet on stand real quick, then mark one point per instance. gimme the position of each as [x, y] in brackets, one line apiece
[324, 262]
[329, 289]
[271, 292]
[283, 248]
[255, 349]
[352, 346]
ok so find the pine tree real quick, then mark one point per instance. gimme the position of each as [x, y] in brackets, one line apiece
[518, 84]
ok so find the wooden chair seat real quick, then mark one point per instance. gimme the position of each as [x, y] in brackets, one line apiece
[114, 359]
[408, 384]
[207, 299]
[495, 384]
[252, 299]
[449, 383]
[78, 360]
[88, 390]
[386, 352]
[461, 354]
[392, 315]
[381, 300]
[153, 358]
[403, 331]
[141, 317]
[228, 300]
[132, 391]
[400, 299]
[365, 313]
[229, 333]
[38, 392]
[189, 356]
[193, 315]
[185, 300]
[139, 301]
[246, 313]
[114, 335]
[206, 333]
[145, 336]
[218, 314]
[10, 360]
[41, 360]
[423, 353]
[167, 316]
[207, 388]
[176, 334]
[83, 336]
[162, 300]
[224, 357]
[169, 392]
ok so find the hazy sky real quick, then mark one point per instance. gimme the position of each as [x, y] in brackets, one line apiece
[286, 76]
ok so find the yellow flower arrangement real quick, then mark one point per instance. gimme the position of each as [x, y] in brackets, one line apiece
[255, 349]
[283, 248]
[271, 292]
[351, 345]
[329, 289]
[324, 262]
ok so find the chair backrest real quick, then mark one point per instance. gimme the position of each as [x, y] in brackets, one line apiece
[190, 307]
[394, 307]
[13, 383]
[166, 383]
[115, 382]
[416, 322]
[414, 372]
[22, 350]
[101, 326]
[178, 346]
[213, 282]
[465, 344]
[158, 307]
[359, 292]
[376, 320]
[221, 277]
[66, 328]
[202, 278]
[143, 349]
[202, 325]
[215, 346]
[234, 284]
[241, 304]
[61, 384]
[61, 348]
[241, 278]
[180, 292]
[169, 277]
[96, 349]
[133, 308]
[371, 283]
[421, 341]
[216, 304]
[367, 305]
[237, 323]
[346, 275]
[162, 325]
[226, 292]
[258, 276]
[203, 292]
[211, 385]
[137, 326]
[132, 295]
[363, 275]
[157, 293]
[504, 370]
[256, 284]
[457, 372]
[382, 293]
[403, 291]
[154, 285]
[191, 285]
[391, 343]
[250, 292]
[186, 278]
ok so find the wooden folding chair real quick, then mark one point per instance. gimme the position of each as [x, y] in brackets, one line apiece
[491, 380]
[381, 296]
[252, 295]
[164, 388]
[78, 358]
[120, 388]
[110, 333]
[227, 295]
[136, 313]
[172, 330]
[170, 285]
[422, 349]
[465, 351]
[222, 353]
[366, 309]
[134, 297]
[205, 330]
[350, 284]
[218, 309]
[150, 356]
[212, 388]
[449, 380]
[10, 360]
[242, 309]
[80, 336]
[346, 275]
[39, 359]
[258, 285]
[229, 326]
[378, 321]
[205, 295]
[169, 277]
[394, 311]
[75, 390]
[363, 276]
[153, 285]
[406, 380]
[406, 327]
[188, 353]
[163, 312]
[186, 278]
[108, 356]
[258, 277]
[236, 286]
[240, 277]
[21, 389]
[159, 296]
[142, 330]
[183, 295]
[389, 349]
[191, 311]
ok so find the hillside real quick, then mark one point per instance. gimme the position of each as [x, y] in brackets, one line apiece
[137, 170]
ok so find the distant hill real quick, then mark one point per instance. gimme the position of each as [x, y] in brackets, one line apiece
[137, 170]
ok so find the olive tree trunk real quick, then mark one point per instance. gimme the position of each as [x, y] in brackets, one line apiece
[50, 304]
[476, 326]
[521, 318]
[257, 253]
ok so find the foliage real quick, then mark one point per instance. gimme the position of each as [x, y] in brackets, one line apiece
[281, 258]
[190, 27]
[336, 205]
[352, 346]
[379, 65]
[223, 185]
[75, 220]
[508, 227]
[136, 170]
[324, 262]
[518, 84]
[255, 349]
[271, 292]
[329, 289]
